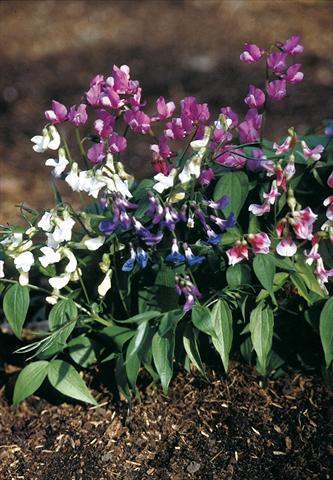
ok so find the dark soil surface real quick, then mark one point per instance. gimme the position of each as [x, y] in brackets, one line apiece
[223, 428]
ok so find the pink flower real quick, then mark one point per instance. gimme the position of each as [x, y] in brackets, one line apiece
[164, 110]
[237, 253]
[58, 114]
[276, 62]
[330, 180]
[329, 202]
[110, 98]
[322, 274]
[174, 129]
[254, 117]
[255, 97]
[138, 121]
[230, 158]
[231, 115]
[290, 169]
[117, 143]
[313, 255]
[291, 45]
[93, 95]
[284, 147]
[303, 225]
[276, 89]
[196, 112]
[279, 229]
[280, 178]
[104, 123]
[293, 75]
[120, 79]
[247, 132]
[314, 153]
[78, 116]
[206, 176]
[96, 153]
[286, 247]
[260, 242]
[272, 195]
[251, 53]
[259, 210]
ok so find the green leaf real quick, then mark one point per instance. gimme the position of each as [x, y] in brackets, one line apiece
[15, 307]
[169, 321]
[309, 278]
[238, 275]
[223, 331]
[230, 236]
[163, 349]
[81, 350]
[264, 268]
[142, 317]
[121, 378]
[29, 380]
[63, 312]
[119, 335]
[64, 378]
[261, 327]
[236, 186]
[202, 319]
[190, 340]
[300, 284]
[326, 331]
[133, 362]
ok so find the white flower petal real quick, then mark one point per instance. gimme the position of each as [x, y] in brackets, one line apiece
[60, 281]
[94, 243]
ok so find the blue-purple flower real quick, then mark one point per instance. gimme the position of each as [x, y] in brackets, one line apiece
[175, 256]
[139, 256]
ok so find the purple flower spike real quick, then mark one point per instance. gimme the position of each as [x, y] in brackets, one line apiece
[206, 176]
[189, 302]
[107, 226]
[58, 114]
[251, 53]
[96, 153]
[152, 238]
[170, 218]
[277, 89]
[138, 121]
[255, 98]
[293, 75]
[223, 224]
[175, 256]
[117, 143]
[213, 238]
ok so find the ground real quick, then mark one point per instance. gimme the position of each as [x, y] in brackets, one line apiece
[205, 429]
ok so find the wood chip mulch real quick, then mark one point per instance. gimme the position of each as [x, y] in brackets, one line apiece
[220, 428]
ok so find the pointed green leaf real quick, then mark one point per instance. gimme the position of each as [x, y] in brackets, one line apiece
[64, 378]
[29, 380]
[326, 331]
[202, 319]
[223, 331]
[261, 327]
[163, 350]
[236, 186]
[15, 307]
[264, 268]
[81, 350]
[191, 347]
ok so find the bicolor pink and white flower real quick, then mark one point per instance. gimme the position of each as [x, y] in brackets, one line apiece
[322, 274]
[260, 242]
[58, 114]
[273, 194]
[314, 153]
[286, 247]
[330, 180]
[255, 97]
[284, 147]
[312, 255]
[277, 89]
[251, 53]
[237, 253]
[303, 223]
[259, 209]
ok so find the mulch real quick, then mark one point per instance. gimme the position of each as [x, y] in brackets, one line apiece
[222, 427]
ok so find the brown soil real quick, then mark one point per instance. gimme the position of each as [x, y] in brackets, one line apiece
[224, 428]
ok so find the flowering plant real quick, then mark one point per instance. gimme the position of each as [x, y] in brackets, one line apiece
[228, 241]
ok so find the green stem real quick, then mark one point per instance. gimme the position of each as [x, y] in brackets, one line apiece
[82, 150]
[122, 298]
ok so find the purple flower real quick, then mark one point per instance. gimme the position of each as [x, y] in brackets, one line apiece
[170, 217]
[175, 129]
[125, 220]
[253, 116]
[175, 256]
[93, 95]
[140, 257]
[230, 158]
[196, 112]
[191, 258]
[213, 238]
[220, 204]
[251, 53]
[117, 143]
[247, 133]
[138, 121]
[164, 110]
[231, 115]
[255, 98]
[78, 116]
[110, 98]
[276, 62]
[129, 264]
[293, 75]
[104, 123]
[223, 224]
[276, 89]
[152, 238]
[329, 129]
[255, 164]
[58, 114]
[291, 45]
[206, 176]
[189, 290]
[96, 153]
[120, 79]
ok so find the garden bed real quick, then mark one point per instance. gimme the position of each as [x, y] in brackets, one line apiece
[224, 428]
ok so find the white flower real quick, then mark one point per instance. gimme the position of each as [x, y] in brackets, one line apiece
[13, 240]
[105, 286]
[93, 243]
[90, 183]
[72, 264]
[51, 242]
[73, 178]
[49, 257]
[191, 168]
[24, 278]
[24, 261]
[202, 144]
[63, 229]
[2, 273]
[60, 165]
[45, 222]
[164, 182]
[60, 281]
[121, 186]
[50, 138]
